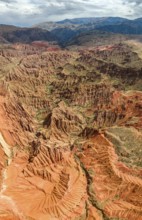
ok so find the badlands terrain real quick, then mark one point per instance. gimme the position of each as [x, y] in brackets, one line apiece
[71, 131]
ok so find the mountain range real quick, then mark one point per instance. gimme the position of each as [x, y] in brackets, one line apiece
[67, 29]
[70, 30]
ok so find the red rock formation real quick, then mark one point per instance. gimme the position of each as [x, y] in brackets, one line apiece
[51, 181]
[119, 192]
[8, 210]
[94, 214]
[64, 123]
[16, 123]
[55, 108]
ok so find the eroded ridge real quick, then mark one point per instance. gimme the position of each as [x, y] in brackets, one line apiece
[65, 124]
[15, 122]
[117, 190]
[51, 181]
[66, 101]
[8, 210]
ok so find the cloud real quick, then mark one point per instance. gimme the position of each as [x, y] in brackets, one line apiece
[135, 7]
[8, 1]
[137, 2]
[29, 12]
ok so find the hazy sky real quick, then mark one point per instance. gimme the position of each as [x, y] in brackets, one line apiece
[29, 12]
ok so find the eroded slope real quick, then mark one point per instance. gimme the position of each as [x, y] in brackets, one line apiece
[70, 133]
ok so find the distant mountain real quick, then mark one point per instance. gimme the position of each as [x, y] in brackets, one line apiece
[96, 38]
[56, 25]
[13, 34]
[69, 29]
[124, 28]
[93, 20]
[77, 23]
[81, 21]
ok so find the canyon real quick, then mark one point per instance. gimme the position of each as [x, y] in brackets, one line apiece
[70, 132]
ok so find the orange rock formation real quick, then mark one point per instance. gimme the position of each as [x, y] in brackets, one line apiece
[70, 136]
